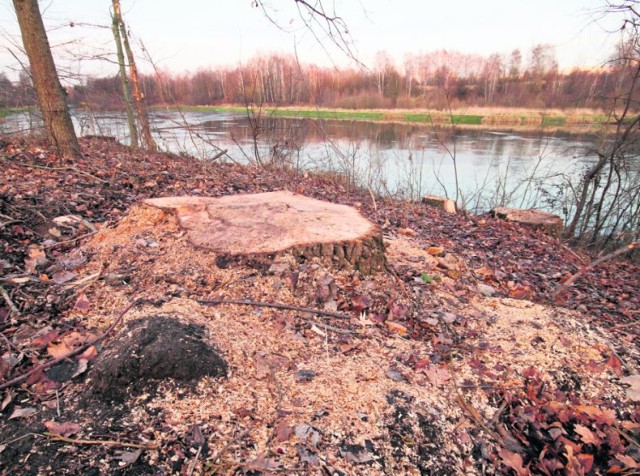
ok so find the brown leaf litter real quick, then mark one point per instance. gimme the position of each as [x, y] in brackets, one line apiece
[429, 375]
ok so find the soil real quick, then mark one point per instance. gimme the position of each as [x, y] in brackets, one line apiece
[451, 361]
[153, 348]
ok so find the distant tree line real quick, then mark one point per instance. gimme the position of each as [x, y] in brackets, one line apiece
[436, 80]
[18, 93]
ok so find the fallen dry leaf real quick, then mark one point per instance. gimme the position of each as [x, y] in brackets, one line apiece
[62, 429]
[128, 457]
[586, 435]
[513, 461]
[633, 389]
[282, 431]
[36, 258]
[396, 327]
[67, 220]
[437, 375]
[306, 455]
[307, 434]
[74, 338]
[485, 273]
[407, 231]
[615, 363]
[435, 250]
[89, 354]
[62, 277]
[25, 412]
[44, 340]
[82, 367]
[521, 292]
[8, 397]
[82, 304]
[261, 464]
[628, 461]
[597, 414]
[58, 350]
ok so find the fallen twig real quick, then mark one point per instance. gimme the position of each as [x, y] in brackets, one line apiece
[13, 440]
[496, 416]
[10, 345]
[626, 324]
[247, 302]
[327, 327]
[582, 259]
[10, 222]
[71, 240]
[192, 466]
[589, 267]
[79, 350]
[218, 155]
[146, 446]
[9, 302]
[627, 437]
[223, 450]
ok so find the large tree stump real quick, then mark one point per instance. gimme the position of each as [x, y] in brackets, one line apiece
[265, 224]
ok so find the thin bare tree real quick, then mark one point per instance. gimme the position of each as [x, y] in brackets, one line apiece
[124, 80]
[143, 117]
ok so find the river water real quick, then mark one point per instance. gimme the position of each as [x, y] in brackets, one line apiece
[490, 168]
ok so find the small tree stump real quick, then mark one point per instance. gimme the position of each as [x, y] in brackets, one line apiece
[265, 224]
[549, 222]
[442, 203]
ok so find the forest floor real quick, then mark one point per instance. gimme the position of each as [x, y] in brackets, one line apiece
[455, 360]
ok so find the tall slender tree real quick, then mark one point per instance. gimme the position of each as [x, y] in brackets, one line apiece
[124, 80]
[51, 96]
[143, 117]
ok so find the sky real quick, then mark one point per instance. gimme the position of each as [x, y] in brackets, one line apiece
[187, 35]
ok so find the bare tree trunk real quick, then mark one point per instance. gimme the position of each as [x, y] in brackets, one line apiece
[51, 98]
[143, 118]
[124, 82]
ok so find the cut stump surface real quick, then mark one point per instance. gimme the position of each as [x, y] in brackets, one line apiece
[553, 224]
[274, 222]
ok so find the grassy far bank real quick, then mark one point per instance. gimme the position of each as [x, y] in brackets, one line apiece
[578, 120]
[4, 112]
[494, 118]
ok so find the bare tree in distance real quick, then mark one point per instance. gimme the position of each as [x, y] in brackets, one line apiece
[51, 96]
[318, 20]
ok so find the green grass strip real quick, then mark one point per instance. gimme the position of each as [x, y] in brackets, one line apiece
[4, 112]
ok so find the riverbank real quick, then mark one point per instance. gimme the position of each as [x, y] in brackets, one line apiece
[511, 119]
[577, 121]
[451, 361]
[4, 112]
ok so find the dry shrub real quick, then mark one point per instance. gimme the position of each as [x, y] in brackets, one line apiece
[532, 121]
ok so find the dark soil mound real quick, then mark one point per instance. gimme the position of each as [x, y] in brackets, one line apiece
[154, 348]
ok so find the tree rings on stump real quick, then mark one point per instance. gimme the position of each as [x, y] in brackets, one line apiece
[265, 224]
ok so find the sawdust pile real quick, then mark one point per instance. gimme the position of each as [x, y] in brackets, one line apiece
[306, 393]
